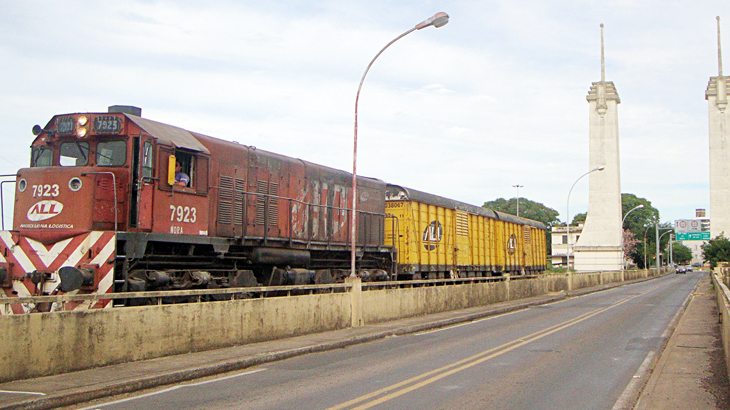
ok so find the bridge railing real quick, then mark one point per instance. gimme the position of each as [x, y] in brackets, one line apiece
[57, 303]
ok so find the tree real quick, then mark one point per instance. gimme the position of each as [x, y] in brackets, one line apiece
[716, 250]
[579, 218]
[681, 254]
[528, 209]
[531, 210]
[630, 242]
[639, 222]
[639, 219]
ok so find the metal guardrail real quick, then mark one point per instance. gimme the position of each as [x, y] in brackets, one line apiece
[202, 295]
[194, 295]
[437, 282]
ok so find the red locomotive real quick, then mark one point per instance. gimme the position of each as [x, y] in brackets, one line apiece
[113, 202]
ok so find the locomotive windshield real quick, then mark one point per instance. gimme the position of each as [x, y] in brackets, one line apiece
[74, 154]
[111, 153]
[41, 157]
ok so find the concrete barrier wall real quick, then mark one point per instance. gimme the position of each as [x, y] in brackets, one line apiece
[40, 344]
[390, 304]
[723, 305]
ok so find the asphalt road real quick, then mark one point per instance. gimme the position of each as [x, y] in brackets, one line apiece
[580, 353]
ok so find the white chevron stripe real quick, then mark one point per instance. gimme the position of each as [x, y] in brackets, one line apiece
[18, 253]
[22, 293]
[108, 280]
[75, 257]
[48, 255]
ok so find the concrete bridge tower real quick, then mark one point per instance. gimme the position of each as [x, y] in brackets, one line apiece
[601, 242]
[716, 96]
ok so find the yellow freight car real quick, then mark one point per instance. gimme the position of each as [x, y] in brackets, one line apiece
[438, 237]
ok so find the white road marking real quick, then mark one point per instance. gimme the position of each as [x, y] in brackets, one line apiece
[22, 392]
[172, 389]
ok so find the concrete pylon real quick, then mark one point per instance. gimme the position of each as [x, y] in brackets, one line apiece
[600, 244]
[716, 96]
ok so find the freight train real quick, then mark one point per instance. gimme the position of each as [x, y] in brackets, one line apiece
[113, 202]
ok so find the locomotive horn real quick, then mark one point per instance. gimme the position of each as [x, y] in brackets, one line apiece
[37, 130]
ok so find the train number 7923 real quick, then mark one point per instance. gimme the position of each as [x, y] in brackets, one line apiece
[182, 214]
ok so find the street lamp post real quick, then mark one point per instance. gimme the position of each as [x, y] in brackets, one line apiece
[567, 216]
[630, 211]
[645, 230]
[437, 20]
[518, 197]
[659, 242]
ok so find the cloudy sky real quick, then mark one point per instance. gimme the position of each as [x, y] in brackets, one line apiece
[493, 99]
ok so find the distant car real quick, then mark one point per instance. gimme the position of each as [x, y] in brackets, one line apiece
[689, 268]
[681, 269]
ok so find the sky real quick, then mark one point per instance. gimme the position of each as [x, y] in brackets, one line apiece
[495, 98]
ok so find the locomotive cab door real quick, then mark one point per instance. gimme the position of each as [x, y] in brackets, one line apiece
[142, 185]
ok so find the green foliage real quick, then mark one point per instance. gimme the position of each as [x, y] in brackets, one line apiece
[640, 223]
[639, 219]
[681, 254]
[579, 218]
[716, 250]
[528, 209]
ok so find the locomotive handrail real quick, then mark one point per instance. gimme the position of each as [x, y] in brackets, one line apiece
[2, 201]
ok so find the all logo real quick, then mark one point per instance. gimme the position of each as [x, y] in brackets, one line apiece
[511, 244]
[43, 210]
[432, 235]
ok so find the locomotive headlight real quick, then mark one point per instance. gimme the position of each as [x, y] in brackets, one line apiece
[83, 120]
[81, 132]
[22, 184]
[75, 184]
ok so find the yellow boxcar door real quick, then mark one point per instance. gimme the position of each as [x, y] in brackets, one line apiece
[528, 261]
[463, 254]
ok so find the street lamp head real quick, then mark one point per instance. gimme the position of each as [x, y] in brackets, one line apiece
[601, 168]
[437, 20]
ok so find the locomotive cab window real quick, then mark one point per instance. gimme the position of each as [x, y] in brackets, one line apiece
[111, 153]
[184, 169]
[147, 160]
[74, 154]
[41, 157]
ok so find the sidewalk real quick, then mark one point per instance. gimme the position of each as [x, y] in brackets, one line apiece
[691, 372]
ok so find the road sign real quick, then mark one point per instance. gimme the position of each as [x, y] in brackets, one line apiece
[688, 225]
[693, 236]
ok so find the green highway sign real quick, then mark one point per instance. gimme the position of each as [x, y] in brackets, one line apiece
[693, 236]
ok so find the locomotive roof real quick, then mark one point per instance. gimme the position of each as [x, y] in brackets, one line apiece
[396, 193]
[172, 135]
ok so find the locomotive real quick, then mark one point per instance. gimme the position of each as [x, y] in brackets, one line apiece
[103, 208]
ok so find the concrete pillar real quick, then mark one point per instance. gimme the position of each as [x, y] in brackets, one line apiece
[600, 244]
[355, 301]
[506, 283]
[716, 96]
[570, 281]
